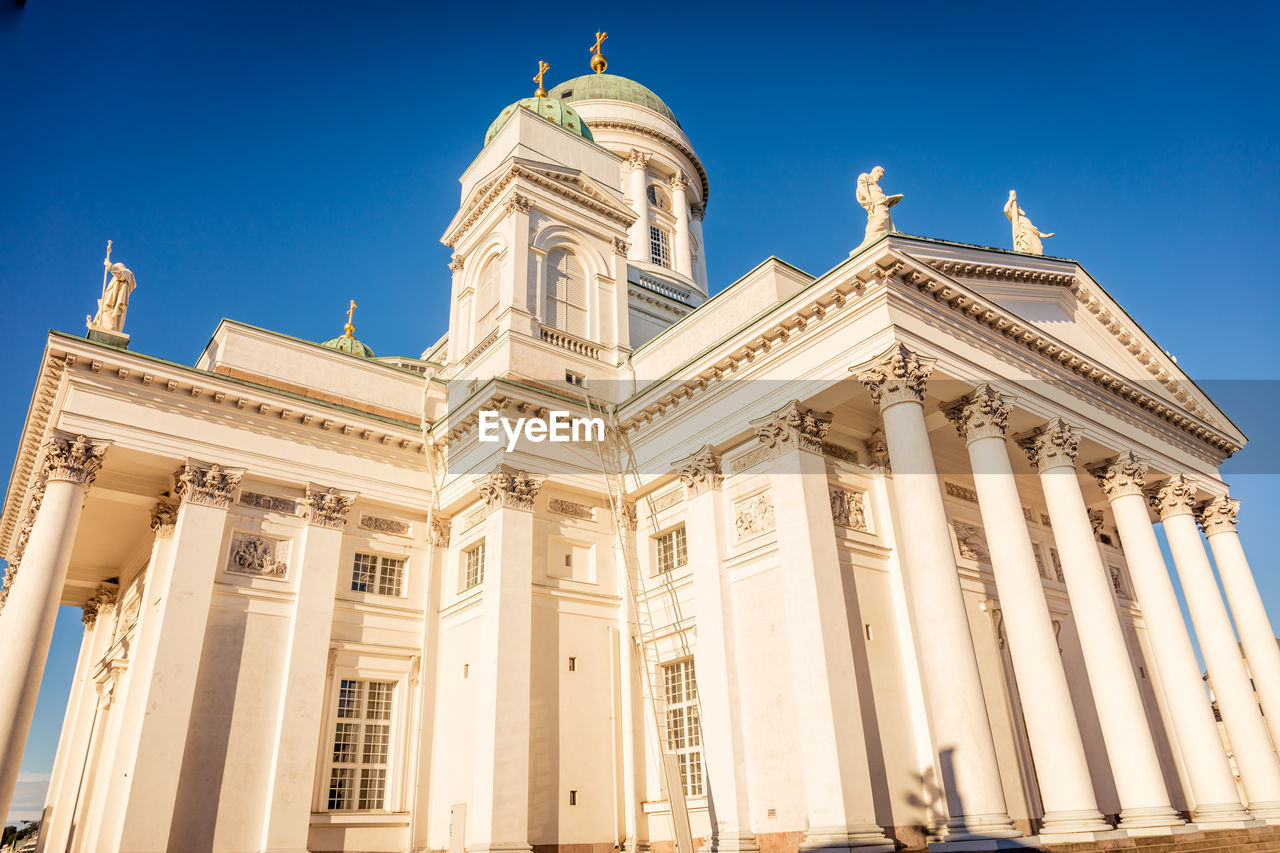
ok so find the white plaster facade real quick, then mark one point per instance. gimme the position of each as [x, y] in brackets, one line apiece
[296, 562]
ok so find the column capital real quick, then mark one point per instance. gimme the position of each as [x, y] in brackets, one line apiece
[1217, 515]
[206, 484]
[327, 507]
[878, 451]
[103, 597]
[457, 262]
[698, 210]
[700, 471]
[897, 376]
[630, 517]
[164, 516]
[792, 427]
[1175, 496]
[638, 160]
[621, 246]
[1124, 474]
[507, 487]
[1053, 445]
[73, 460]
[679, 181]
[1096, 520]
[440, 527]
[982, 413]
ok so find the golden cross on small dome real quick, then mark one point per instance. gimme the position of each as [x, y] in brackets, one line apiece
[598, 62]
[543, 68]
[350, 328]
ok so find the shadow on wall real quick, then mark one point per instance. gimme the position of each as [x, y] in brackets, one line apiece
[939, 800]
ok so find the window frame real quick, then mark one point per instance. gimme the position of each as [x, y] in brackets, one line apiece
[488, 321]
[677, 550]
[689, 756]
[560, 311]
[660, 238]
[464, 568]
[378, 575]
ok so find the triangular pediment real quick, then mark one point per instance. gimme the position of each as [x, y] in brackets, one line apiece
[1057, 299]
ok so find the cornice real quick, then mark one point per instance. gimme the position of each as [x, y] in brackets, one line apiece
[987, 313]
[24, 472]
[997, 272]
[572, 187]
[669, 140]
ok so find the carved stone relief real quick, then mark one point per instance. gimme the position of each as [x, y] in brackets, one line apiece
[258, 556]
[848, 509]
[972, 542]
[753, 516]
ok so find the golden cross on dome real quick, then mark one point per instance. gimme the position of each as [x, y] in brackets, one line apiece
[348, 329]
[543, 68]
[598, 62]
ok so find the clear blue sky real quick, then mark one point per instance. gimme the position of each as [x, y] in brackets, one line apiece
[268, 162]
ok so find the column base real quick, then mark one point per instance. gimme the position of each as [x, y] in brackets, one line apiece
[1082, 822]
[862, 837]
[1268, 810]
[976, 827]
[1149, 817]
[1223, 816]
[633, 846]
[731, 842]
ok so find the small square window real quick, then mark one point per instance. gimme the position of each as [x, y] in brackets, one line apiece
[575, 379]
[473, 566]
[380, 575]
[672, 551]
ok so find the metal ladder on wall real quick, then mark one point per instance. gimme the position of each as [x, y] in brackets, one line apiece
[617, 462]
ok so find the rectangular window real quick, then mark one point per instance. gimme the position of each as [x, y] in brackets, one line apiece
[473, 566]
[684, 731]
[361, 746]
[381, 575]
[672, 552]
[659, 246]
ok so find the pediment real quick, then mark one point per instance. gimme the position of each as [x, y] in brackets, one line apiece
[572, 185]
[1079, 320]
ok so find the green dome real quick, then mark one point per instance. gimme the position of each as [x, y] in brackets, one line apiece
[613, 88]
[552, 109]
[350, 345]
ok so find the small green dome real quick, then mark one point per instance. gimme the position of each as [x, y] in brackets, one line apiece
[552, 109]
[613, 88]
[350, 345]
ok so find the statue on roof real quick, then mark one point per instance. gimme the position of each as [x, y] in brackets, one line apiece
[1026, 237]
[875, 203]
[117, 284]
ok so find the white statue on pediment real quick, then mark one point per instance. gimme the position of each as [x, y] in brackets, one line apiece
[117, 284]
[875, 203]
[1026, 237]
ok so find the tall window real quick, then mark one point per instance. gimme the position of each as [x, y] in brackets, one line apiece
[565, 305]
[361, 745]
[684, 731]
[659, 246]
[672, 551]
[487, 299]
[383, 575]
[473, 566]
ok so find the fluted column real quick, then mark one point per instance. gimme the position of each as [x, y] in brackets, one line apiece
[1135, 765]
[31, 608]
[637, 163]
[1218, 520]
[499, 815]
[698, 211]
[949, 665]
[680, 202]
[1212, 786]
[205, 492]
[715, 656]
[299, 720]
[1254, 754]
[1066, 790]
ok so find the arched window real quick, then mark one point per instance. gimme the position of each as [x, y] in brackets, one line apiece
[658, 198]
[565, 304]
[487, 299]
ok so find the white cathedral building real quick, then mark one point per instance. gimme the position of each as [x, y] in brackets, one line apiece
[864, 561]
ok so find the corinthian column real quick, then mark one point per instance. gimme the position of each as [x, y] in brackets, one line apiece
[26, 623]
[680, 204]
[833, 749]
[1218, 520]
[499, 814]
[1144, 799]
[949, 666]
[637, 163]
[1255, 756]
[299, 714]
[1212, 786]
[715, 656]
[1066, 790]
